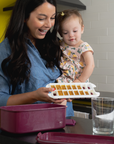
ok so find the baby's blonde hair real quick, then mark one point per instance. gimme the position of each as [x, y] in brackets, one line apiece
[66, 14]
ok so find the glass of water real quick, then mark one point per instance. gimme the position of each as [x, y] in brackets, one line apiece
[102, 115]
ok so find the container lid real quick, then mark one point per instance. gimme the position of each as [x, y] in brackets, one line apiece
[32, 107]
[68, 138]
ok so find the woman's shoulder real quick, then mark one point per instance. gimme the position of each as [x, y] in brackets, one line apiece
[5, 49]
[5, 46]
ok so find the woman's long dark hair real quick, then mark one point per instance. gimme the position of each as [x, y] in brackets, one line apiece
[17, 65]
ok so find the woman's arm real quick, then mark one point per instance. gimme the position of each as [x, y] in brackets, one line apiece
[40, 94]
[87, 71]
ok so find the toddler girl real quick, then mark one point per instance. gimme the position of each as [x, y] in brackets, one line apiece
[77, 61]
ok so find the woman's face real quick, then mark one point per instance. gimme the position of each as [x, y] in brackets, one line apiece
[41, 20]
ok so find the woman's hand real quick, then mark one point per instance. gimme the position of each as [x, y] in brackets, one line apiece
[42, 95]
[69, 100]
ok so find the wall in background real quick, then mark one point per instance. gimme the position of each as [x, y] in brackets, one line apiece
[4, 16]
[99, 33]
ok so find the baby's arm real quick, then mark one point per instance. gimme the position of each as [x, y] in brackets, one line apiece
[87, 71]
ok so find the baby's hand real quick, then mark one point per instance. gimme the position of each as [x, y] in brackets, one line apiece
[77, 81]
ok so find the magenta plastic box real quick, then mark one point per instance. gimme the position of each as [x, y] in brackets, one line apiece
[68, 138]
[32, 117]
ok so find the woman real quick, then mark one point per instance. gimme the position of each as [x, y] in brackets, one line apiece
[30, 54]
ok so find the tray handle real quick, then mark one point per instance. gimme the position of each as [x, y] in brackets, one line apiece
[93, 85]
[70, 122]
[98, 93]
[38, 135]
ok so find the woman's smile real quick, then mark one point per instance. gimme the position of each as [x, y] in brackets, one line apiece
[41, 20]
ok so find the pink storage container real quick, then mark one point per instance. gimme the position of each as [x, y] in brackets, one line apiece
[68, 138]
[32, 117]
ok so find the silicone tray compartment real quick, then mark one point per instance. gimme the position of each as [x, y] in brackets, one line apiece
[32, 117]
[73, 90]
[67, 138]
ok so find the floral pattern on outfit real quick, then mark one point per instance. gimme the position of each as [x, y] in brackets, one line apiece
[72, 62]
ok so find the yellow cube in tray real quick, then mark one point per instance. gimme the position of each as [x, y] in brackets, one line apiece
[60, 93]
[86, 92]
[81, 92]
[73, 86]
[65, 93]
[58, 87]
[76, 92]
[78, 86]
[68, 87]
[63, 87]
[71, 92]
[52, 86]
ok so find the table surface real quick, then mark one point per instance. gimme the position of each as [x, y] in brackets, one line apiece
[83, 126]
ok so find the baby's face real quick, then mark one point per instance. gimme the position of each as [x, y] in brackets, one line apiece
[71, 31]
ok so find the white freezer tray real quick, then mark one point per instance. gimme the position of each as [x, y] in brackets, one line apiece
[73, 90]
